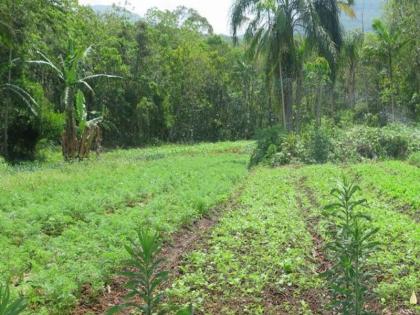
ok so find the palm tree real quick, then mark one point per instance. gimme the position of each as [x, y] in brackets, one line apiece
[271, 27]
[70, 71]
[350, 56]
[389, 44]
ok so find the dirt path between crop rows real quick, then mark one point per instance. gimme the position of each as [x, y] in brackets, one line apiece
[315, 298]
[182, 242]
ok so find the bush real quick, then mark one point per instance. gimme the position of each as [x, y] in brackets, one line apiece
[269, 142]
[328, 143]
[395, 146]
[414, 159]
[319, 145]
[52, 126]
[23, 136]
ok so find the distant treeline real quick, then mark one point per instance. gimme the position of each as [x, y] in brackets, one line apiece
[182, 83]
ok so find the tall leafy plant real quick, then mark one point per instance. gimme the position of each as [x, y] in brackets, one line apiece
[71, 71]
[352, 242]
[388, 45]
[145, 276]
[8, 306]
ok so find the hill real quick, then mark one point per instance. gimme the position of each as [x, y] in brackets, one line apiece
[366, 11]
[105, 9]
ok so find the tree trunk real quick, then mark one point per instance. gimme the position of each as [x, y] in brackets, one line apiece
[6, 111]
[318, 107]
[283, 104]
[391, 81]
[299, 91]
[353, 86]
[70, 142]
[288, 99]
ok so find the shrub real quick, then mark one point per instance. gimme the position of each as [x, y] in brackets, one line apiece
[328, 143]
[23, 136]
[395, 146]
[319, 145]
[269, 141]
[414, 159]
[52, 126]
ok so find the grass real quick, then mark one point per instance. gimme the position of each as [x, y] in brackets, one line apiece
[64, 225]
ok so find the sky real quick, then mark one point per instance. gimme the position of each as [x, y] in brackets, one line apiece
[216, 11]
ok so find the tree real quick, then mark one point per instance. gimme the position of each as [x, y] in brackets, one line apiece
[318, 74]
[388, 45]
[8, 88]
[271, 27]
[353, 43]
[71, 73]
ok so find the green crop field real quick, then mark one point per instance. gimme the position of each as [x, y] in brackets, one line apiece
[63, 226]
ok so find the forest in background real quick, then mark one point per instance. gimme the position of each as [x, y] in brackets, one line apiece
[179, 82]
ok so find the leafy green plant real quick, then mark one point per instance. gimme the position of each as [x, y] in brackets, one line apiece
[269, 142]
[319, 145]
[9, 306]
[350, 246]
[145, 275]
[71, 73]
[414, 159]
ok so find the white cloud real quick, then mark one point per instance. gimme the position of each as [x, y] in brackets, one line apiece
[216, 11]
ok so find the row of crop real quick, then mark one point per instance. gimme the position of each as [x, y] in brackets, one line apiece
[259, 249]
[395, 263]
[63, 228]
[397, 180]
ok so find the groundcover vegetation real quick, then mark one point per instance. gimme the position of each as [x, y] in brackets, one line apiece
[64, 228]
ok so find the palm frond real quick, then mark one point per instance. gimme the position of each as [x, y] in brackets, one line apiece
[25, 96]
[100, 75]
[49, 64]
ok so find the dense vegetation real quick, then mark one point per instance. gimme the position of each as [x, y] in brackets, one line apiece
[182, 83]
[204, 220]
[63, 228]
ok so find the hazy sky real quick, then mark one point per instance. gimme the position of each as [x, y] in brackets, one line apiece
[216, 11]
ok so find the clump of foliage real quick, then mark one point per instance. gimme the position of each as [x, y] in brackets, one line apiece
[79, 132]
[269, 142]
[319, 146]
[331, 144]
[8, 306]
[145, 276]
[352, 242]
[414, 159]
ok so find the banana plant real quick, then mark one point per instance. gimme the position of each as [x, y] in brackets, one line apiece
[71, 73]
